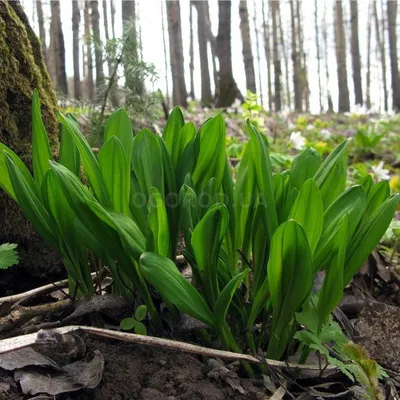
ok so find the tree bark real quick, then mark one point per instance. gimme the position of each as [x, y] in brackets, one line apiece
[246, 47]
[344, 101]
[277, 61]
[191, 50]
[57, 50]
[228, 90]
[267, 46]
[179, 92]
[286, 60]
[206, 96]
[392, 16]
[89, 55]
[355, 53]
[23, 71]
[381, 46]
[113, 18]
[98, 53]
[76, 17]
[316, 21]
[213, 44]
[42, 30]
[325, 46]
[368, 77]
[165, 52]
[298, 105]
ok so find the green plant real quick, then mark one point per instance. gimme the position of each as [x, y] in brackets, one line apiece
[135, 322]
[140, 192]
[330, 342]
[367, 138]
[8, 255]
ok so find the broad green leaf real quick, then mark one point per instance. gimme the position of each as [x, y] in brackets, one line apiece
[308, 211]
[8, 255]
[351, 202]
[332, 288]
[368, 235]
[290, 279]
[332, 174]
[366, 182]
[172, 129]
[189, 214]
[163, 274]
[30, 203]
[225, 298]
[186, 164]
[263, 172]
[147, 162]
[378, 193]
[119, 125]
[185, 135]
[89, 161]
[171, 198]
[211, 157]
[206, 242]
[5, 182]
[158, 234]
[41, 153]
[115, 172]
[304, 166]
[69, 154]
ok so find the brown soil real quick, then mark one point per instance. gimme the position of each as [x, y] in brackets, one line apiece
[138, 372]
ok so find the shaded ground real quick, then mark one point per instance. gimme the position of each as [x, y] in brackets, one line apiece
[138, 372]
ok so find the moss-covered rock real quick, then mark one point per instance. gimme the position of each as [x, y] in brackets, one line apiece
[22, 69]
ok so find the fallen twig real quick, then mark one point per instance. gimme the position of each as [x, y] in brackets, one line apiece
[34, 292]
[15, 343]
[22, 314]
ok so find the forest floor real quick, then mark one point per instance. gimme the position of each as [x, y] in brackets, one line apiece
[111, 369]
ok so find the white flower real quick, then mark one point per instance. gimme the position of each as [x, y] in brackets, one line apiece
[325, 134]
[237, 103]
[310, 127]
[189, 99]
[380, 173]
[206, 109]
[291, 125]
[298, 141]
[230, 110]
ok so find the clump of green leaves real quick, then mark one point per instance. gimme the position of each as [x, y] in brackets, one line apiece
[135, 323]
[8, 255]
[140, 192]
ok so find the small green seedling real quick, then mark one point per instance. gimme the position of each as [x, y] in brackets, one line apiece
[135, 322]
[8, 255]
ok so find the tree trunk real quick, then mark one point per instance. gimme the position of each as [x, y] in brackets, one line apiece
[23, 71]
[76, 17]
[392, 16]
[42, 30]
[298, 106]
[113, 18]
[286, 60]
[213, 44]
[57, 50]
[89, 55]
[355, 53]
[179, 93]
[206, 96]
[325, 42]
[316, 21]
[368, 77]
[98, 53]
[277, 62]
[267, 47]
[381, 46]
[260, 88]
[344, 101]
[165, 52]
[246, 47]
[191, 50]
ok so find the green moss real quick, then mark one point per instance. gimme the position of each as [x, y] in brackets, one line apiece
[22, 69]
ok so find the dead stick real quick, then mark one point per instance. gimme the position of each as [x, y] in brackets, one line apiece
[15, 343]
[34, 292]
